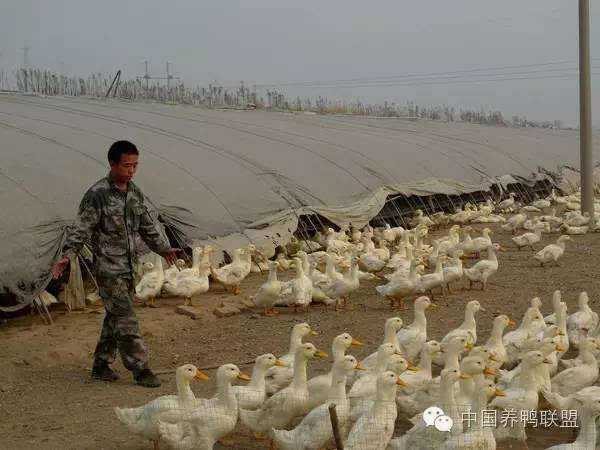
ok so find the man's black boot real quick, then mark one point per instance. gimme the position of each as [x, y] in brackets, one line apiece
[146, 378]
[102, 371]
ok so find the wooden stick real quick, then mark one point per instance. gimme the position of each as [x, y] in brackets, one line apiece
[335, 426]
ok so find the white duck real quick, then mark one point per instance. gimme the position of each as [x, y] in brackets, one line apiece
[550, 319]
[252, 395]
[548, 346]
[172, 271]
[477, 436]
[391, 327]
[284, 263]
[298, 291]
[232, 274]
[315, 429]
[513, 341]
[277, 411]
[484, 269]
[374, 429]
[277, 378]
[453, 271]
[197, 258]
[342, 288]
[515, 222]
[144, 420]
[542, 203]
[150, 286]
[427, 283]
[412, 338]
[538, 327]
[589, 409]
[570, 401]
[418, 379]
[582, 375]
[576, 219]
[430, 395]
[188, 285]
[211, 420]
[584, 318]
[521, 397]
[423, 437]
[376, 259]
[318, 387]
[494, 344]
[400, 287]
[528, 239]
[467, 329]
[364, 386]
[449, 242]
[269, 292]
[361, 405]
[475, 368]
[318, 279]
[478, 244]
[507, 203]
[552, 252]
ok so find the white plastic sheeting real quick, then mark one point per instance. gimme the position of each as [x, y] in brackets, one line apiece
[216, 173]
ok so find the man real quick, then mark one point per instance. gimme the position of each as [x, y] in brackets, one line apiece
[111, 213]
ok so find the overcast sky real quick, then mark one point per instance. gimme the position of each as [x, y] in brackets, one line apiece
[263, 41]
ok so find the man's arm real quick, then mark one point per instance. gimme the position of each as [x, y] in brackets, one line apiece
[152, 236]
[88, 217]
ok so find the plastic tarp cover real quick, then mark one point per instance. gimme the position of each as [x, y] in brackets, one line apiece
[231, 177]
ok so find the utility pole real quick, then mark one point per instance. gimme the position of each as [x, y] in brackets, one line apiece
[585, 112]
[169, 76]
[146, 75]
[25, 49]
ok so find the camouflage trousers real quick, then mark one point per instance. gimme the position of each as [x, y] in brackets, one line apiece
[120, 330]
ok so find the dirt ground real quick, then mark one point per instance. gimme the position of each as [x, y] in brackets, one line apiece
[48, 401]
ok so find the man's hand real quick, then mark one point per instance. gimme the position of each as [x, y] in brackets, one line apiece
[59, 267]
[172, 256]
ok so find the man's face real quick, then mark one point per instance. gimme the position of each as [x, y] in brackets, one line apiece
[124, 171]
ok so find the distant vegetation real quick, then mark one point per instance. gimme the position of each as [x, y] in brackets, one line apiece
[216, 96]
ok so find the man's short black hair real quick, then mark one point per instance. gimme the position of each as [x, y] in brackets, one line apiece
[121, 148]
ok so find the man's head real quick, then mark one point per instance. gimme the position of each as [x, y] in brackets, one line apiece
[123, 160]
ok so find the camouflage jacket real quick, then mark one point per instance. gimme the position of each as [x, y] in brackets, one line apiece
[108, 220]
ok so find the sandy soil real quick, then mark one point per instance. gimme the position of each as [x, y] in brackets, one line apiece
[48, 401]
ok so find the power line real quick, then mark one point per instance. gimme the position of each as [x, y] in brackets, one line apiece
[482, 80]
[421, 75]
[428, 82]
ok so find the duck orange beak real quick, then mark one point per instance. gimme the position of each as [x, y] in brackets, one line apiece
[558, 348]
[400, 382]
[356, 342]
[201, 376]
[499, 393]
[320, 354]
[511, 322]
[359, 367]
[242, 376]
[433, 305]
[469, 346]
[489, 371]
[314, 333]
[280, 363]
[412, 368]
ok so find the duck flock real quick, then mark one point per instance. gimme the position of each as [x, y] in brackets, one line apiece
[505, 374]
